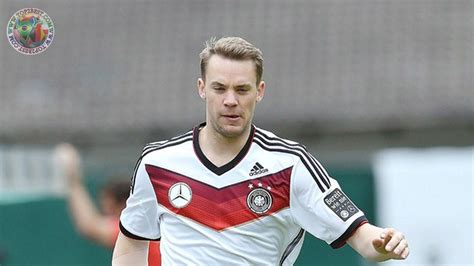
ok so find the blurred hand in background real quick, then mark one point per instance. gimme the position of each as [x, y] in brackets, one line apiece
[99, 225]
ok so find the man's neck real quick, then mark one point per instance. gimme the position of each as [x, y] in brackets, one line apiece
[220, 149]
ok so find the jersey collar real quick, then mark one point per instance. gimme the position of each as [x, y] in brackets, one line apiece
[228, 166]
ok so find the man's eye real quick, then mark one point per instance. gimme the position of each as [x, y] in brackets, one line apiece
[219, 88]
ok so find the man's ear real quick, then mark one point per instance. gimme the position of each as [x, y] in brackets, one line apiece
[260, 90]
[201, 85]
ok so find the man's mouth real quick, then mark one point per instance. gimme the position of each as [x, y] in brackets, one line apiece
[232, 117]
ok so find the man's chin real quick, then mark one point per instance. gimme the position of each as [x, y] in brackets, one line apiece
[232, 131]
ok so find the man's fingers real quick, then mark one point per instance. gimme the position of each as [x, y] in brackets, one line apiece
[387, 232]
[405, 253]
[401, 247]
[394, 242]
[386, 240]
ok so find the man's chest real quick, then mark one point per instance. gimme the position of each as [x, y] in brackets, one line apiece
[204, 198]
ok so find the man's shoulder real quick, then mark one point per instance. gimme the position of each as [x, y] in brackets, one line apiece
[167, 143]
[269, 137]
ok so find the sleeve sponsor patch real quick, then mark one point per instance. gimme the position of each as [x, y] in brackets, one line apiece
[340, 204]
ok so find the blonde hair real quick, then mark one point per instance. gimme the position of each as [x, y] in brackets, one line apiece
[233, 48]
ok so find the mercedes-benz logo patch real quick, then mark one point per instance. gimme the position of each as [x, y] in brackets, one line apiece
[180, 195]
[259, 200]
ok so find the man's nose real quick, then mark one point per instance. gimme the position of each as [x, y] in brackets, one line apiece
[230, 99]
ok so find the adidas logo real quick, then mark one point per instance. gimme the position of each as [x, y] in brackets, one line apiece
[257, 169]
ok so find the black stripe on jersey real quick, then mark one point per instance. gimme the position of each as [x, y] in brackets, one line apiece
[348, 233]
[132, 236]
[292, 246]
[153, 145]
[284, 150]
[279, 148]
[259, 165]
[325, 174]
[132, 181]
[164, 144]
[158, 143]
[300, 147]
[295, 146]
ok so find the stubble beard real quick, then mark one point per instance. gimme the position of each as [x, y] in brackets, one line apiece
[233, 132]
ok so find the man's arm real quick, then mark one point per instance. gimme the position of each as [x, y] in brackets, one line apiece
[129, 251]
[378, 244]
[85, 215]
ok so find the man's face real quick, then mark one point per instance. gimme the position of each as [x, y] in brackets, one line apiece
[231, 93]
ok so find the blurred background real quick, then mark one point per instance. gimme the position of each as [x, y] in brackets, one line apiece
[381, 92]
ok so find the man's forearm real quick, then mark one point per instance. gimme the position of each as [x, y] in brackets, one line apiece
[83, 210]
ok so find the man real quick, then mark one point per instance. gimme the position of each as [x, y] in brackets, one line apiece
[229, 193]
[100, 226]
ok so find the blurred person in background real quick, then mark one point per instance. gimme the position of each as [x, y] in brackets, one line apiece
[100, 226]
[229, 193]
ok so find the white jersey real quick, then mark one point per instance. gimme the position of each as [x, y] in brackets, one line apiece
[252, 211]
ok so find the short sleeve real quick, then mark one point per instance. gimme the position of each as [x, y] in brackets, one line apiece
[320, 207]
[139, 219]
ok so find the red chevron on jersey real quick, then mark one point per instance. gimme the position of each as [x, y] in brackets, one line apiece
[220, 208]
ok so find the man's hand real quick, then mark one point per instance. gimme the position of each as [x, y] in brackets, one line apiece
[69, 162]
[392, 244]
[379, 244]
